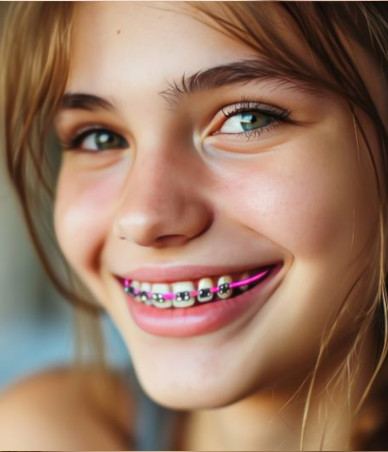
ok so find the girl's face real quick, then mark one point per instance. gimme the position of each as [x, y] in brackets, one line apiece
[227, 176]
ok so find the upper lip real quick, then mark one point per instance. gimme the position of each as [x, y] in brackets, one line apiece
[188, 272]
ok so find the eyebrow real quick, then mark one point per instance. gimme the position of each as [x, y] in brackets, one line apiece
[84, 101]
[243, 71]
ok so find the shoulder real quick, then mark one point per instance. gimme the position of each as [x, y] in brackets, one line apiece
[67, 409]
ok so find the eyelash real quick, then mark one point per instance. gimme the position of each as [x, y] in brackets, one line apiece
[244, 106]
[278, 115]
[75, 141]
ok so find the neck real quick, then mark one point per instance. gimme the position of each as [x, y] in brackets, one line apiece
[272, 420]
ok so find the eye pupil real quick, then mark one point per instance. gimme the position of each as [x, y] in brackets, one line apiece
[248, 117]
[104, 138]
[251, 121]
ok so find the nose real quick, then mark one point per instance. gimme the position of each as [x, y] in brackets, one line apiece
[163, 205]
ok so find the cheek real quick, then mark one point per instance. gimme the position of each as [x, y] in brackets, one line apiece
[311, 205]
[84, 211]
[298, 210]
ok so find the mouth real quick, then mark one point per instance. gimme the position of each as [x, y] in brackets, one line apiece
[189, 308]
[194, 292]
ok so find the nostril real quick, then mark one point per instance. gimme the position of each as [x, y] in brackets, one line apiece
[171, 240]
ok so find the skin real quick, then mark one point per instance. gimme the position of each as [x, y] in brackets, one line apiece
[181, 195]
[61, 408]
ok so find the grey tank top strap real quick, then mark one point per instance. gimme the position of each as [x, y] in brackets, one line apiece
[155, 426]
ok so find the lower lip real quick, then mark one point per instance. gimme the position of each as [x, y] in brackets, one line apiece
[200, 319]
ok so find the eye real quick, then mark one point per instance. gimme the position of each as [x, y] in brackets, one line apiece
[96, 140]
[244, 122]
[249, 118]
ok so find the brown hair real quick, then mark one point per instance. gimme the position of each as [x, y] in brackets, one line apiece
[40, 66]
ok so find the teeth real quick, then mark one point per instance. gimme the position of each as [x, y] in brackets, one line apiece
[157, 296]
[135, 285]
[204, 293]
[245, 287]
[223, 287]
[182, 291]
[146, 287]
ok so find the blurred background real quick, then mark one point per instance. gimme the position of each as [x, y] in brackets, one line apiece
[36, 324]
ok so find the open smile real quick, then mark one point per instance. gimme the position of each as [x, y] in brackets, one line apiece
[154, 306]
[185, 294]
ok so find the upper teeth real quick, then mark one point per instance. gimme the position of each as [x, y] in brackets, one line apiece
[183, 297]
[183, 293]
[158, 299]
[223, 287]
[204, 292]
[145, 288]
[244, 276]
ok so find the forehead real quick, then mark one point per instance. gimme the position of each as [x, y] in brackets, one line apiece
[145, 44]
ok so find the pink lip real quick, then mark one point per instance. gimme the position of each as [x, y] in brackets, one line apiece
[201, 319]
[154, 274]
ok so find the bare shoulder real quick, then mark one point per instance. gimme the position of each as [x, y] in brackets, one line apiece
[67, 409]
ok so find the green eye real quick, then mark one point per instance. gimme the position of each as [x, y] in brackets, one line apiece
[246, 121]
[99, 140]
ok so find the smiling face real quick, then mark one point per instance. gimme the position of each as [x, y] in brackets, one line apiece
[229, 176]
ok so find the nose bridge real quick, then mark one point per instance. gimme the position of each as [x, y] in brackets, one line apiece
[161, 204]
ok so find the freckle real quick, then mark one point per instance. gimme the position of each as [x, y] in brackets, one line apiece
[118, 32]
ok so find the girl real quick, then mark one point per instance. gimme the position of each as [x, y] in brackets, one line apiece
[221, 194]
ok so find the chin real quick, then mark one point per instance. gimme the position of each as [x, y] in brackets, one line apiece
[196, 399]
[196, 394]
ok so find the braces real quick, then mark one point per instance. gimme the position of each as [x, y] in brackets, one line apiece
[184, 296]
